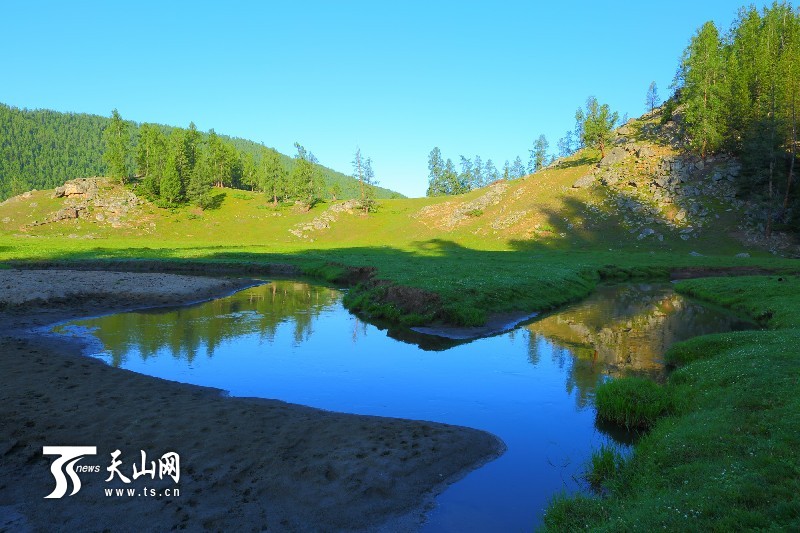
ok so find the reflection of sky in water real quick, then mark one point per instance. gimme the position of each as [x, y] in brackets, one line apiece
[533, 387]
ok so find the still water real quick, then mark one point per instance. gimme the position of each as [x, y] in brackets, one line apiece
[533, 386]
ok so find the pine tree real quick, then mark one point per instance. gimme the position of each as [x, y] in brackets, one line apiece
[306, 177]
[199, 181]
[117, 138]
[565, 145]
[477, 173]
[596, 125]
[490, 174]
[151, 157]
[249, 171]
[450, 179]
[436, 183]
[539, 154]
[518, 168]
[362, 171]
[467, 176]
[651, 99]
[272, 175]
[368, 203]
[701, 70]
[170, 186]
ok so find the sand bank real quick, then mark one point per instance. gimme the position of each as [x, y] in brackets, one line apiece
[246, 464]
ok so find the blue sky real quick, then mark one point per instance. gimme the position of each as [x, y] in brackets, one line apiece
[395, 79]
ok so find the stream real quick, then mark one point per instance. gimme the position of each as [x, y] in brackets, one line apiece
[533, 386]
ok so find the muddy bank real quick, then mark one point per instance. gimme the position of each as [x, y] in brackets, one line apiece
[498, 323]
[246, 464]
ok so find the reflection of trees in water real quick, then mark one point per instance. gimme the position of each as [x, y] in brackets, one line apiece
[621, 330]
[187, 331]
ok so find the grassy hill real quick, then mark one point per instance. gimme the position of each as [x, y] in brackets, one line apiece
[644, 210]
[41, 149]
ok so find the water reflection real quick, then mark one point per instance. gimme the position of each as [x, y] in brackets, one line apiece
[185, 332]
[533, 387]
[625, 330]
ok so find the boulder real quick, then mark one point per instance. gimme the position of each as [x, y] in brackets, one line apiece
[615, 156]
[743, 254]
[583, 181]
[66, 214]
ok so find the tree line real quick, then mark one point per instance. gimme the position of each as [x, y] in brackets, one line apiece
[740, 94]
[41, 149]
[594, 127]
[183, 166]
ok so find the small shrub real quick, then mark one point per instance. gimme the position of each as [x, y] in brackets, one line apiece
[635, 403]
[475, 213]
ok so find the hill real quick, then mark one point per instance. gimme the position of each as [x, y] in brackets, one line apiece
[645, 209]
[42, 149]
[643, 195]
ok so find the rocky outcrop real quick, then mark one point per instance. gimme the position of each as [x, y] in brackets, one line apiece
[616, 155]
[449, 215]
[583, 181]
[96, 199]
[324, 221]
[85, 188]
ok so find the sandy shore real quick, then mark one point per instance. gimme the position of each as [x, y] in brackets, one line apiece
[246, 464]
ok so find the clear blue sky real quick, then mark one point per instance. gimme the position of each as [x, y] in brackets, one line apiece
[394, 78]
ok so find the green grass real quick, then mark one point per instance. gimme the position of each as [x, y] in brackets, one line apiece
[632, 402]
[727, 459]
[604, 466]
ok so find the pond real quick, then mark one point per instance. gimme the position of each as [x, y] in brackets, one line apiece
[533, 386]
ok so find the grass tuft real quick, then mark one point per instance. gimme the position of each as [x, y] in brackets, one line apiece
[632, 402]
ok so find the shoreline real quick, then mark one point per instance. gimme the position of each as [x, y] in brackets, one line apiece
[496, 324]
[291, 467]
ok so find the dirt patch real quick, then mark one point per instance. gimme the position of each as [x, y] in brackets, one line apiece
[356, 275]
[412, 300]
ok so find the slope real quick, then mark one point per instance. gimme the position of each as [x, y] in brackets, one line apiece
[42, 149]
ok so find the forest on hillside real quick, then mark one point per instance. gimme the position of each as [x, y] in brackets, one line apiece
[41, 149]
[739, 94]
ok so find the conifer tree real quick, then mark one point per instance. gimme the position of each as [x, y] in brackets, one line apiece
[651, 100]
[596, 124]
[701, 70]
[272, 175]
[436, 181]
[306, 178]
[477, 171]
[117, 139]
[538, 154]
